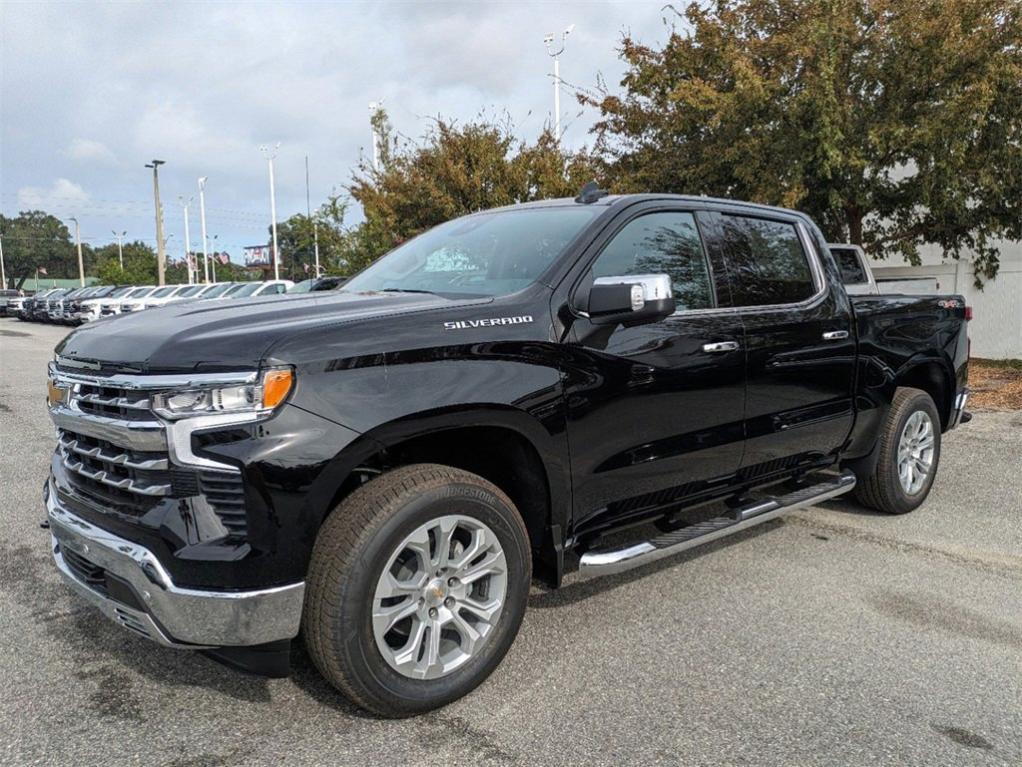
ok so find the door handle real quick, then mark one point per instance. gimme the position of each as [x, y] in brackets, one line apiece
[721, 346]
[835, 335]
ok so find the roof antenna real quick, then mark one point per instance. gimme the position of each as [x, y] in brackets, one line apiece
[590, 193]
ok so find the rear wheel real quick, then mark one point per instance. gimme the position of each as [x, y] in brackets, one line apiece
[908, 458]
[416, 589]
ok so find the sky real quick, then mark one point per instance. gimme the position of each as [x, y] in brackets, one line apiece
[91, 92]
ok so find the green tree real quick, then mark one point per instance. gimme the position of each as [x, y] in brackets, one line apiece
[892, 123]
[35, 239]
[454, 170]
[297, 236]
[139, 264]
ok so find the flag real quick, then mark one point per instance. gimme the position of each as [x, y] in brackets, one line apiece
[223, 258]
[42, 270]
[306, 267]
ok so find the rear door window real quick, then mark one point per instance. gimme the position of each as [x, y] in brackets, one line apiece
[766, 262]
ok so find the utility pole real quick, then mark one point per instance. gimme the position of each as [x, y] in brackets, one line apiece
[3, 272]
[308, 210]
[549, 41]
[202, 222]
[161, 254]
[120, 247]
[188, 241]
[81, 263]
[269, 154]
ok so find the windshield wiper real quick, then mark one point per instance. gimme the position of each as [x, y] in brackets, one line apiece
[407, 290]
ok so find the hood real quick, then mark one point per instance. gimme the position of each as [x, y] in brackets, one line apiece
[229, 335]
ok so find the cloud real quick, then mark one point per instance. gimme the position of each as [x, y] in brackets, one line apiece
[60, 195]
[94, 91]
[87, 150]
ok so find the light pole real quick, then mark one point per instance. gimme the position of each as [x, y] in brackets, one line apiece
[214, 256]
[161, 254]
[78, 242]
[308, 211]
[555, 55]
[188, 241]
[120, 247]
[3, 272]
[269, 154]
[374, 107]
[202, 223]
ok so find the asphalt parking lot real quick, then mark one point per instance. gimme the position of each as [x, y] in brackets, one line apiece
[834, 636]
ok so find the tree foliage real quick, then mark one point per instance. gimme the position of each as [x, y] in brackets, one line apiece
[35, 239]
[454, 170]
[892, 123]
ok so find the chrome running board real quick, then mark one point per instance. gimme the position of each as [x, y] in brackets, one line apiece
[609, 561]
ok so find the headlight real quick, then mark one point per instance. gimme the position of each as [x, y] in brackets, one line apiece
[259, 397]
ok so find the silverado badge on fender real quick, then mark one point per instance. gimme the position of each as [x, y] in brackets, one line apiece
[466, 324]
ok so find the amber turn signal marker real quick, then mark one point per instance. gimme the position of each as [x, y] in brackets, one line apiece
[276, 385]
[56, 394]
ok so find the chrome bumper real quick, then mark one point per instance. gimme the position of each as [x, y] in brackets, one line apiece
[959, 410]
[170, 615]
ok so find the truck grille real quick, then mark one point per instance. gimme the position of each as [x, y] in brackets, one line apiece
[112, 402]
[226, 495]
[114, 454]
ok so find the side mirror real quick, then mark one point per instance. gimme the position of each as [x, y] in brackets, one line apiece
[631, 300]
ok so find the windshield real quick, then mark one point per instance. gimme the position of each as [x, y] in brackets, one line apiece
[121, 292]
[141, 292]
[245, 290]
[302, 287]
[191, 290]
[235, 288]
[487, 254]
[164, 292]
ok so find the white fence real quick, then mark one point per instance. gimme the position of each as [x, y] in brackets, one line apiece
[996, 327]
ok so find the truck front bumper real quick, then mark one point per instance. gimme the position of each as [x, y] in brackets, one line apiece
[128, 583]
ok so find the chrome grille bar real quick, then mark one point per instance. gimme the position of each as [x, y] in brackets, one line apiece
[125, 483]
[97, 399]
[120, 459]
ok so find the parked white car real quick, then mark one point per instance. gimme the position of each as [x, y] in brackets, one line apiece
[92, 308]
[253, 289]
[168, 294]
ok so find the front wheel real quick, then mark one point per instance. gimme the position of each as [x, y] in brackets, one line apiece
[416, 590]
[909, 455]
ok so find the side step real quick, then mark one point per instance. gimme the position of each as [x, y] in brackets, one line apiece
[609, 561]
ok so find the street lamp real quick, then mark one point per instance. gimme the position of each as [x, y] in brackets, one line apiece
[161, 254]
[374, 107]
[214, 256]
[202, 222]
[555, 55]
[120, 247]
[78, 241]
[188, 242]
[269, 154]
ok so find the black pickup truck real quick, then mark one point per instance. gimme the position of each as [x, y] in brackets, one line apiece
[574, 385]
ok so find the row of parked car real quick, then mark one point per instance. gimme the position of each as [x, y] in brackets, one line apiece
[74, 306]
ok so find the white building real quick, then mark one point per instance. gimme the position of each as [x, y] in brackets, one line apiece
[996, 327]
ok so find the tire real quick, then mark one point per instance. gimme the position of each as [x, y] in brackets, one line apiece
[359, 541]
[884, 489]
